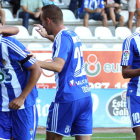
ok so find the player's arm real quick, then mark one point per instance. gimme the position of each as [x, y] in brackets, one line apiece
[42, 31]
[9, 30]
[56, 65]
[35, 73]
[24, 8]
[127, 72]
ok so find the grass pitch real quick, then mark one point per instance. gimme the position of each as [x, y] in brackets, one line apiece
[98, 136]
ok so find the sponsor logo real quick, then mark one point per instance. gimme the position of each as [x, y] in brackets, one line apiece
[92, 66]
[126, 54]
[72, 83]
[116, 108]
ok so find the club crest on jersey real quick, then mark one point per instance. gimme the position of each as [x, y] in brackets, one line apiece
[72, 83]
[126, 54]
[4, 62]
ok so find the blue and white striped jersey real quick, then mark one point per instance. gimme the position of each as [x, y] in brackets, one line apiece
[13, 73]
[72, 83]
[131, 57]
[92, 4]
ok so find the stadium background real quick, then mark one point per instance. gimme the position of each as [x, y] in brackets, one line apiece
[102, 56]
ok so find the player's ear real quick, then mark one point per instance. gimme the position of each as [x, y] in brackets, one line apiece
[48, 20]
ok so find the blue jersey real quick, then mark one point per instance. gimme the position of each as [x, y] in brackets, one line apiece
[13, 73]
[71, 82]
[131, 57]
[92, 4]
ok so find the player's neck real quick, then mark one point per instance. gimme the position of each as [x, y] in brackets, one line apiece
[57, 29]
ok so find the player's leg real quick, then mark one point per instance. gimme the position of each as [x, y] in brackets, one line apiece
[86, 19]
[25, 123]
[138, 18]
[133, 105]
[5, 126]
[82, 124]
[131, 10]
[59, 121]
[53, 136]
[112, 15]
[131, 14]
[120, 19]
[83, 137]
[137, 132]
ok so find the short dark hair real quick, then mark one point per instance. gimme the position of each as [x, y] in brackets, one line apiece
[53, 12]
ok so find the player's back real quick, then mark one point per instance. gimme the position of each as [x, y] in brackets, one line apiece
[72, 83]
[13, 72]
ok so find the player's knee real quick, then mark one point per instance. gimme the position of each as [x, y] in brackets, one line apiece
[121, 19]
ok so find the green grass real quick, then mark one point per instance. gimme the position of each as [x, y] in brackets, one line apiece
[99, 136]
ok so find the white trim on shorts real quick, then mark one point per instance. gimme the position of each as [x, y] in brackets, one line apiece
[81, 135]
[4, 139]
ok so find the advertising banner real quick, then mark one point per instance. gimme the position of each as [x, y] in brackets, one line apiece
[109, 107]
[102, 68]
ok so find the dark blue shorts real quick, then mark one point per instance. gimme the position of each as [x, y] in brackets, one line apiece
[21, 124]
[94, 16]
[73, 118]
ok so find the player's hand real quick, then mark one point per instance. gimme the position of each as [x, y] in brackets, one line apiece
[37, 14]
[98, 10]
[30, 54]
[16, 103]
[42, 31]
[116, 5]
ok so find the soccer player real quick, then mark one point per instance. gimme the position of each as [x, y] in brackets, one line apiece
[18, 77]
[71, 110]
[131, 69]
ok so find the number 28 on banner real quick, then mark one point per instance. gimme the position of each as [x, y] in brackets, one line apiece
[107, 84]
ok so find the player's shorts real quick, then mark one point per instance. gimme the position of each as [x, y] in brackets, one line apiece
[133, 105]
[117, 15]
[73, 118]
[21, 124]
[132, 6]
[94, 16]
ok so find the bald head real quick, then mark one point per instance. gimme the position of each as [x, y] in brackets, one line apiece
[54, 13]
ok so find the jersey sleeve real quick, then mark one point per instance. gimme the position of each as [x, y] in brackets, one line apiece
[63, 45]
[17, 53]
[40, 3]
[23, 3]
[127, 53]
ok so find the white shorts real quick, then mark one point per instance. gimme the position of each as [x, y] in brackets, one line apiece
[132, 6]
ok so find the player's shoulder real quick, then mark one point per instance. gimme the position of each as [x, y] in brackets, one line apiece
[131, 37]
[12, 41]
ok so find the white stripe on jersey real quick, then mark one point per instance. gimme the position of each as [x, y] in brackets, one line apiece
[58, 41]
[16, 49]
[5, 99]
[57, 80]
[127, 47]
[14, 82]
[58, 44]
